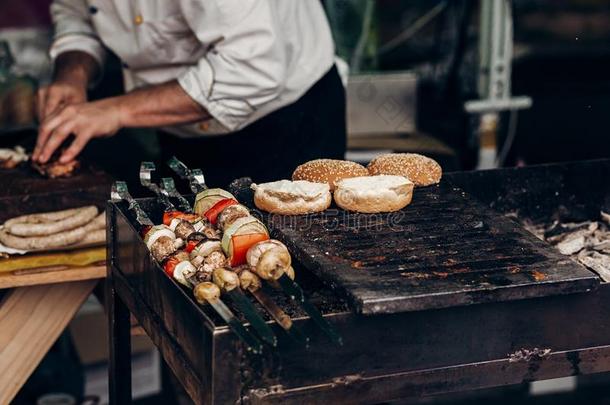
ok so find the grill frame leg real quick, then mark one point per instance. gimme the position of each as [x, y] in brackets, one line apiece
[119, 330]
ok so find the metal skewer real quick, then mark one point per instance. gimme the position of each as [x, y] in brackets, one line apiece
[251, 282]
[228, 282]
[295, 292]
[120, 192]
[146, 170]
[194, 177]
[168, 187]
[252, 342]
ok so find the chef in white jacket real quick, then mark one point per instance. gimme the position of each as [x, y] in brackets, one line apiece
[240, 87]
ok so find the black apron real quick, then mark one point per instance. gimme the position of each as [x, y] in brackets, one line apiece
[272, 147]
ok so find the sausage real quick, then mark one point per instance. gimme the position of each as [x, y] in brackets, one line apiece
[63, 239]
[80, 218]
[94, 237]
[98, 223]
[44, 217]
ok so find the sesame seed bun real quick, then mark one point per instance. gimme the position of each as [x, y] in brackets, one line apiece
[292, 197]
[421, 170]
[328, 171]
[372, 194]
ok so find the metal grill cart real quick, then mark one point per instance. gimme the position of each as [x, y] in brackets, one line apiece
[447, 295]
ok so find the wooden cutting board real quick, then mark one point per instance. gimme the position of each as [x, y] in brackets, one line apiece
[84, 257]
[52, 268]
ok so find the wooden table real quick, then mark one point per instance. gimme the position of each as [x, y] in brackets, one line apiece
[31, 320]
[42, 303]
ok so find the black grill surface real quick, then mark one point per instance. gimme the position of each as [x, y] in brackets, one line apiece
[444, 249]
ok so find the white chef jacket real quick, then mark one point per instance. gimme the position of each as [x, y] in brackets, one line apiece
[240, 59]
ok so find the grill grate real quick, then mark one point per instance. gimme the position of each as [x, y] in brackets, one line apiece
[444, 249]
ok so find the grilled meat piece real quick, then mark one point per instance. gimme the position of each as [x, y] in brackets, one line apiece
[184, 229]
[162, 248]
[211, 233]
[53, 169]
[230, 215]
[200, 276]
[213, 261]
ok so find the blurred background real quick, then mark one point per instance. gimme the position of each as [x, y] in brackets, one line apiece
[416, 81]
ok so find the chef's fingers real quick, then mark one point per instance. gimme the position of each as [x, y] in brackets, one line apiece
[41, 98]
[55, 99]
[59, 135]
[44, 131]
[78, 144]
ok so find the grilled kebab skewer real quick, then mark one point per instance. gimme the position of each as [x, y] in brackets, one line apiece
[273, 267]
[226, 283]
[161, 242]
[225, 217]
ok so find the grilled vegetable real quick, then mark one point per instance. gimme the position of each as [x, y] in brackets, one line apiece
[161, 242]
[240, 236]
[183, 229]
[249, 281]
[216, 209]
[207, 198]
[168, 216]
[204, 249]
[255, 252]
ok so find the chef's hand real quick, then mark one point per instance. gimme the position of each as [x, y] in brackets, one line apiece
[73, 71]
[60, 93]
[85, 121]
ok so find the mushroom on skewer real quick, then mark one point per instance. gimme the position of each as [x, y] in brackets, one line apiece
[209, 293]
[228, 282]
[271, 260]
[208, 255]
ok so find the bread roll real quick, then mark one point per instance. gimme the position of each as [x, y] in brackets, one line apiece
[292, 197]
[372, 194]
[421, 170]
[328, 171]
